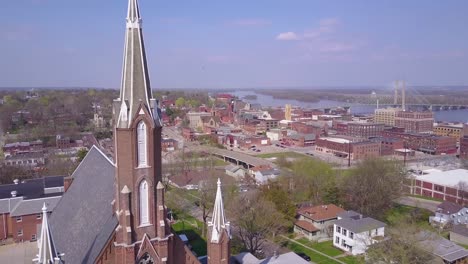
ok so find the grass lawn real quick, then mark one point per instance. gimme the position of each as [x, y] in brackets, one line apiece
[400, 212]
[353, 259]
[324, 247]
[317, 258]
[192, 228]
[293, 155]
[425, 198]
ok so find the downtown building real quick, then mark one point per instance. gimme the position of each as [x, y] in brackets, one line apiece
[386, 115]
[415, 122]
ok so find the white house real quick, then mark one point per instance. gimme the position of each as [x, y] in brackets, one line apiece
[354, 233]
[263, 175]
[450, 213]
[235, 171]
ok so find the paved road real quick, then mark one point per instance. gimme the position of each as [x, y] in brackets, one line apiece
[418, 202]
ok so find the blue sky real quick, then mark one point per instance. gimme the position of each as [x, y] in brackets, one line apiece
[237, 44]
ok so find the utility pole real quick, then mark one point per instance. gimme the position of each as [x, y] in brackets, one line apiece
[349, 154]
[406, 148]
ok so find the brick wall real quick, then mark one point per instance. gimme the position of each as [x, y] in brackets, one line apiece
[28, 225]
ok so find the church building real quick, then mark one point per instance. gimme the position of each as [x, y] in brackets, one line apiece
[113, 210]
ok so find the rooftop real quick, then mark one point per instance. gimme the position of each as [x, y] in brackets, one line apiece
[321, 212]
[336, 140]
[447, 207]
[286, 258]
[446, 178]
[359, 225]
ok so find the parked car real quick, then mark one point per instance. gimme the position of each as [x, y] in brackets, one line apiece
[304, 256]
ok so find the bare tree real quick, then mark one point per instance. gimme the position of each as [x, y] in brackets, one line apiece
[403, 246]
[255, 219]
[462, 187]
[206, 193]
[373, 185]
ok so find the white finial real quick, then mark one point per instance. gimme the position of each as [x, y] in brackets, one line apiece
[133, 15]
[47, 251]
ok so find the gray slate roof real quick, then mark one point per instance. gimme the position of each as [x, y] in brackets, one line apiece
[460, 229]
[83, 220]
[286, 258]
[34, 206]
[441, 247]
[359, 225]
[447, 207]
[349, 214]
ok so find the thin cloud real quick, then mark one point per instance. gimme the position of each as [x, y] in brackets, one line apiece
[287, 36]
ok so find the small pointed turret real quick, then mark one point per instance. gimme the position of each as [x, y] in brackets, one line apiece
[47, 252]
[218, 221]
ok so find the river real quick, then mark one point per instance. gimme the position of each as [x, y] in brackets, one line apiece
[268, 100]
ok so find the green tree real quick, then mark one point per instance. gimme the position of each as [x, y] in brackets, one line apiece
[310, 178]
[82, 154]
[276, 194]
[255, 219]
[180, 102]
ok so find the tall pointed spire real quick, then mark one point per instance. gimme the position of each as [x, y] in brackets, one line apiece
[135, 87]
[47, 252]
[218, 221]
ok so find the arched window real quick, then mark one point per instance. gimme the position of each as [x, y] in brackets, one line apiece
[141, 144]
[144, 203]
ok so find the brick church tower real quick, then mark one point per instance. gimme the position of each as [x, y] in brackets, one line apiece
[143, 233]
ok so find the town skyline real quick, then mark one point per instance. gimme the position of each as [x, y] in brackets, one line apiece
[238, 45]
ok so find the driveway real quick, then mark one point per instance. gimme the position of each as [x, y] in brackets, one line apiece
[418, 202]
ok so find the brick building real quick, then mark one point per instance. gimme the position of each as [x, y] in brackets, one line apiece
[300, 140]
[364, 130]
[311, 127]
[11, 149]
[449, 130]
[21, 203]
[464, 147]
[341, 147]
[445, 185]
[389, 145]
[426, 143]
[386, 115]
[415, 122]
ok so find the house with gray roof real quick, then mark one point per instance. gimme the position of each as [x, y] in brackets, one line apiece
[440, 247]
[286, 258]
[21, 205]
[354, 233]
[449, 213]
[235, 171]
[459, 234]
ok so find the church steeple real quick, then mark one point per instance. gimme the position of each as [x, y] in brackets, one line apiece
[143, 229]
[47, 252]
[218, 232]
[135, 88]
